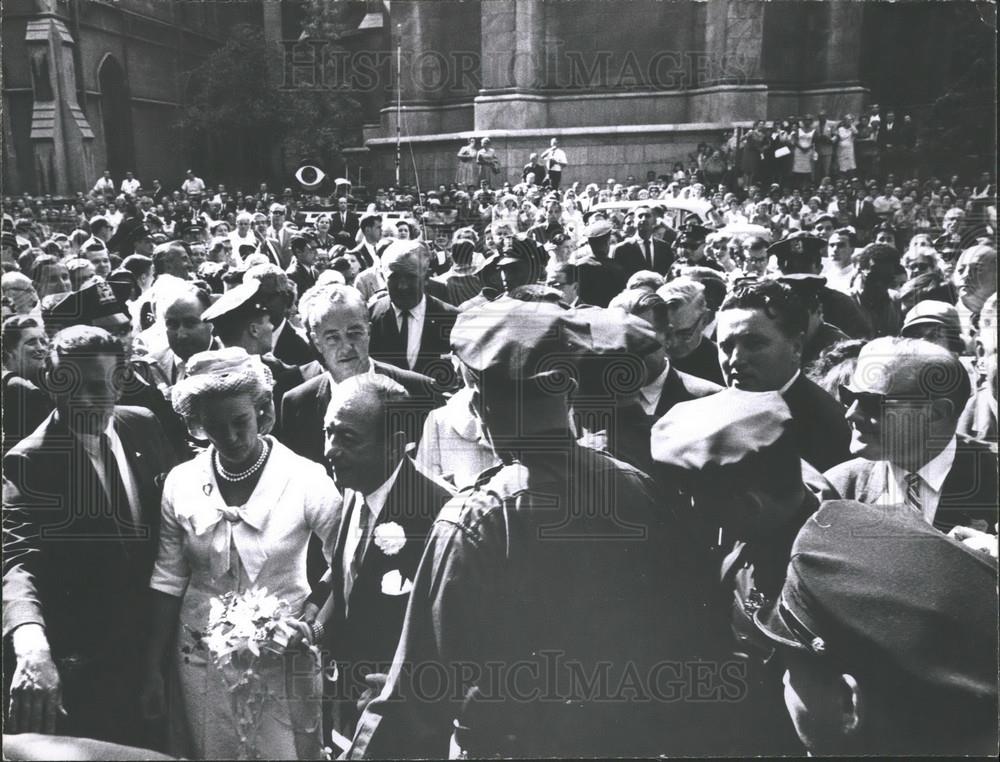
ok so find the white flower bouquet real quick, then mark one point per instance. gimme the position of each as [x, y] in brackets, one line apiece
[245, 634]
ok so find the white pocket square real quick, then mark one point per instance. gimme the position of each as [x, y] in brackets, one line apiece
[394, 583]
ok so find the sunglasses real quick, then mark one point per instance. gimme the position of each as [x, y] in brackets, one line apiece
[871, 404]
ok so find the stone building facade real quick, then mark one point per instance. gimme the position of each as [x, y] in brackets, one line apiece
[90, 85]
[634, 85]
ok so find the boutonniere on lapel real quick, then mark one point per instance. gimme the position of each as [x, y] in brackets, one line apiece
[390, 538]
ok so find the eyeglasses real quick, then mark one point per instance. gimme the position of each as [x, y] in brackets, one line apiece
[871, 404]
[918, 267]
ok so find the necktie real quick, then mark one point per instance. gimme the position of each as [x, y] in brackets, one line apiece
[361, 539]
[404, 335]
[649, 254]
[913, 493]
[121, 512]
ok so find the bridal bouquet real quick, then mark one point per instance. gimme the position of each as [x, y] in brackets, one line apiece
[246, 632]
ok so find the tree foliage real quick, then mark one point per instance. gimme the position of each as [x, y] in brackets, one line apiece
[237, 109]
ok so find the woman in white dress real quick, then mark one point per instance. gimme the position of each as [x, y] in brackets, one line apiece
[846, 132]
[804, 153]
[238, 516]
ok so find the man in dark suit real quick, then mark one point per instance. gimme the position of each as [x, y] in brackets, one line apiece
[278, 293]
[344, 220]
[761, 331]
[663, 386]
[389, 510]
[280, 232]
[681, 330]
[337, 323]
[642, 251]
[366, 252]
[904, 403]
[81, 515]
[411, 329]
[302, 271]
[862, 214]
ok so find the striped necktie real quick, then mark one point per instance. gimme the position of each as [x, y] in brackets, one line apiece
[913, 493]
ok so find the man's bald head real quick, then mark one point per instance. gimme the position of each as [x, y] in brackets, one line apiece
[913, 368]
[976, 276]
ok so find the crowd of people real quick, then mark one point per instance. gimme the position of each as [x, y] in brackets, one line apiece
[539, 470]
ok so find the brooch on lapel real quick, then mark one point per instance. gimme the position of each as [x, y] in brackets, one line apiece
[390, 538]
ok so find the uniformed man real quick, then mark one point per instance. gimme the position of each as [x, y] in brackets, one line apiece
[888, 634]
[521, 263]
[803, 253]
[241, 317]
[690, 247]
[557, 569]
[489, 275]
[735, 454]
[600, 278]
[819, 334]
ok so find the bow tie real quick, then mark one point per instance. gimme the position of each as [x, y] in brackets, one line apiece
[232, 529]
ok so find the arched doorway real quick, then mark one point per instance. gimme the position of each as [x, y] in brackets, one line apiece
[116, 114]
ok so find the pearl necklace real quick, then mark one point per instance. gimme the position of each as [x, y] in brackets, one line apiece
[231, 477]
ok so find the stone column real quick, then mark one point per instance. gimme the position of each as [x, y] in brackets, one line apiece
[734, 36]
[513, 65]
[61, 137]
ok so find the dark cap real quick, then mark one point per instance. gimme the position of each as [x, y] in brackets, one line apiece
[238, 302]
[526, 340]
[692, 232]
[123, 283]
[803, 284]
[796, 246]
[879, 591]
[94, 302]
[302, 238]
[9, 239]
[516, 249]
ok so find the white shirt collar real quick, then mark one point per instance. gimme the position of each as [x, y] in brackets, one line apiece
[792, 380]
[650, 393]
[934, 471]
[276, 333]
[92, 442]
[370, 371]
[416, 313]
[376, 500]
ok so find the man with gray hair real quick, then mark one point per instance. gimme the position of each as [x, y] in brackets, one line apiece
[681, 333]
[389, 508]
[336, 322]
[410, 328]
[904, 403]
